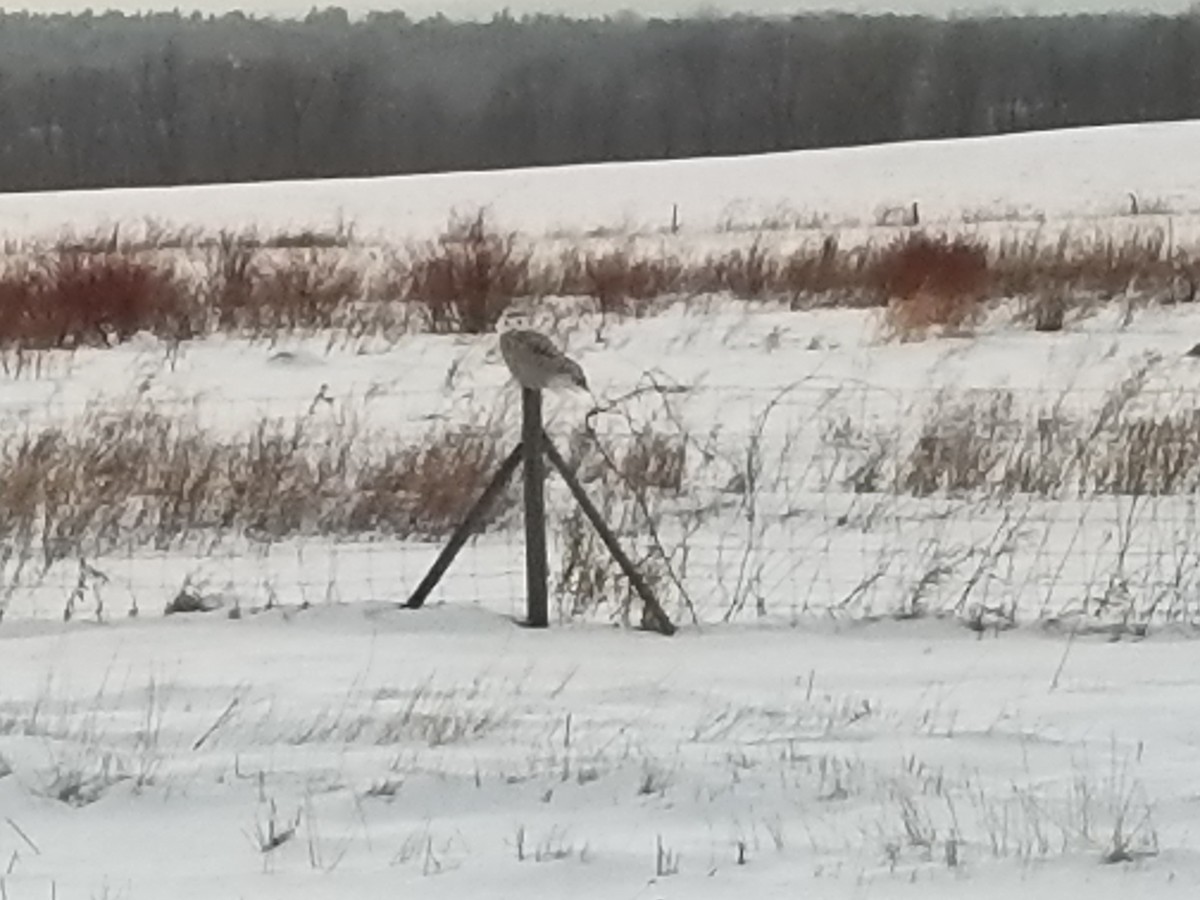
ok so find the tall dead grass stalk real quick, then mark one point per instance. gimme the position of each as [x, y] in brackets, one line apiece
[138, 478]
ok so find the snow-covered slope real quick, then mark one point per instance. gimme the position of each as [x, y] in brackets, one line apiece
[1063, 174]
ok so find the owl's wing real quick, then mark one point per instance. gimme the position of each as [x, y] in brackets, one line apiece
[537, 344]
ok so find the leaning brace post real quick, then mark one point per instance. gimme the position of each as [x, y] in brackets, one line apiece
[468, 527]
[532, 438]
[662, 621]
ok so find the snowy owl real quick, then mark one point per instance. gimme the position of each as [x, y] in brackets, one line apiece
[534, 359]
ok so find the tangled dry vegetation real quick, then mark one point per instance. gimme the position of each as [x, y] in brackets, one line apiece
[139, 478]
[983, 444]
[120, 483]
[178, 284]
[965, 449]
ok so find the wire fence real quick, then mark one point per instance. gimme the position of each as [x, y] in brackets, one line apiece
[996, 506]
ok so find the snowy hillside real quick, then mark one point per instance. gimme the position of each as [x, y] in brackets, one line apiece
[1055, 175]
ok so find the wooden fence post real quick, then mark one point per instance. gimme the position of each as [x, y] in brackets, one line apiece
[537, 605]
[531, 453]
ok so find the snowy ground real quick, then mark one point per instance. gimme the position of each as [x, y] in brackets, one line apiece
[449, 753]
[338, 746]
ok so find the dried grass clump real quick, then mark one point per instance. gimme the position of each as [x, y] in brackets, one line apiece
[1101, 265]
[340, 235]
[1147, 457]
[627, 283]
[68, 300]
[929, 282]
[587, 578]
[231, 271]
[960, 446]
[467, 279]
[99, 288]
[1047, 310]
[138, 478]
[67, 492]
[425, 490]
[153, 235]
[620, 281]
[826, 275]
[313, 290]
[652, 460]
[981, 444]
[750, 274]
[251, 290]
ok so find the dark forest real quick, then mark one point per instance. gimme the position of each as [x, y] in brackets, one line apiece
[115, 100]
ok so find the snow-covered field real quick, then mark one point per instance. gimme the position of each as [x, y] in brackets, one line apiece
[1054, 176]
[448, 754]
[824, 724]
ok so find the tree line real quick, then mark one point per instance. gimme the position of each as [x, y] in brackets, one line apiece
[116, 100]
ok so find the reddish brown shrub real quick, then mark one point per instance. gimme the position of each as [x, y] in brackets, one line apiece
[931, 281]
[101, 288]
[310, 290]
[938, 265]
[84, 299]
[426, 490]
[467, 279]
[749, 274]
[620, 281]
